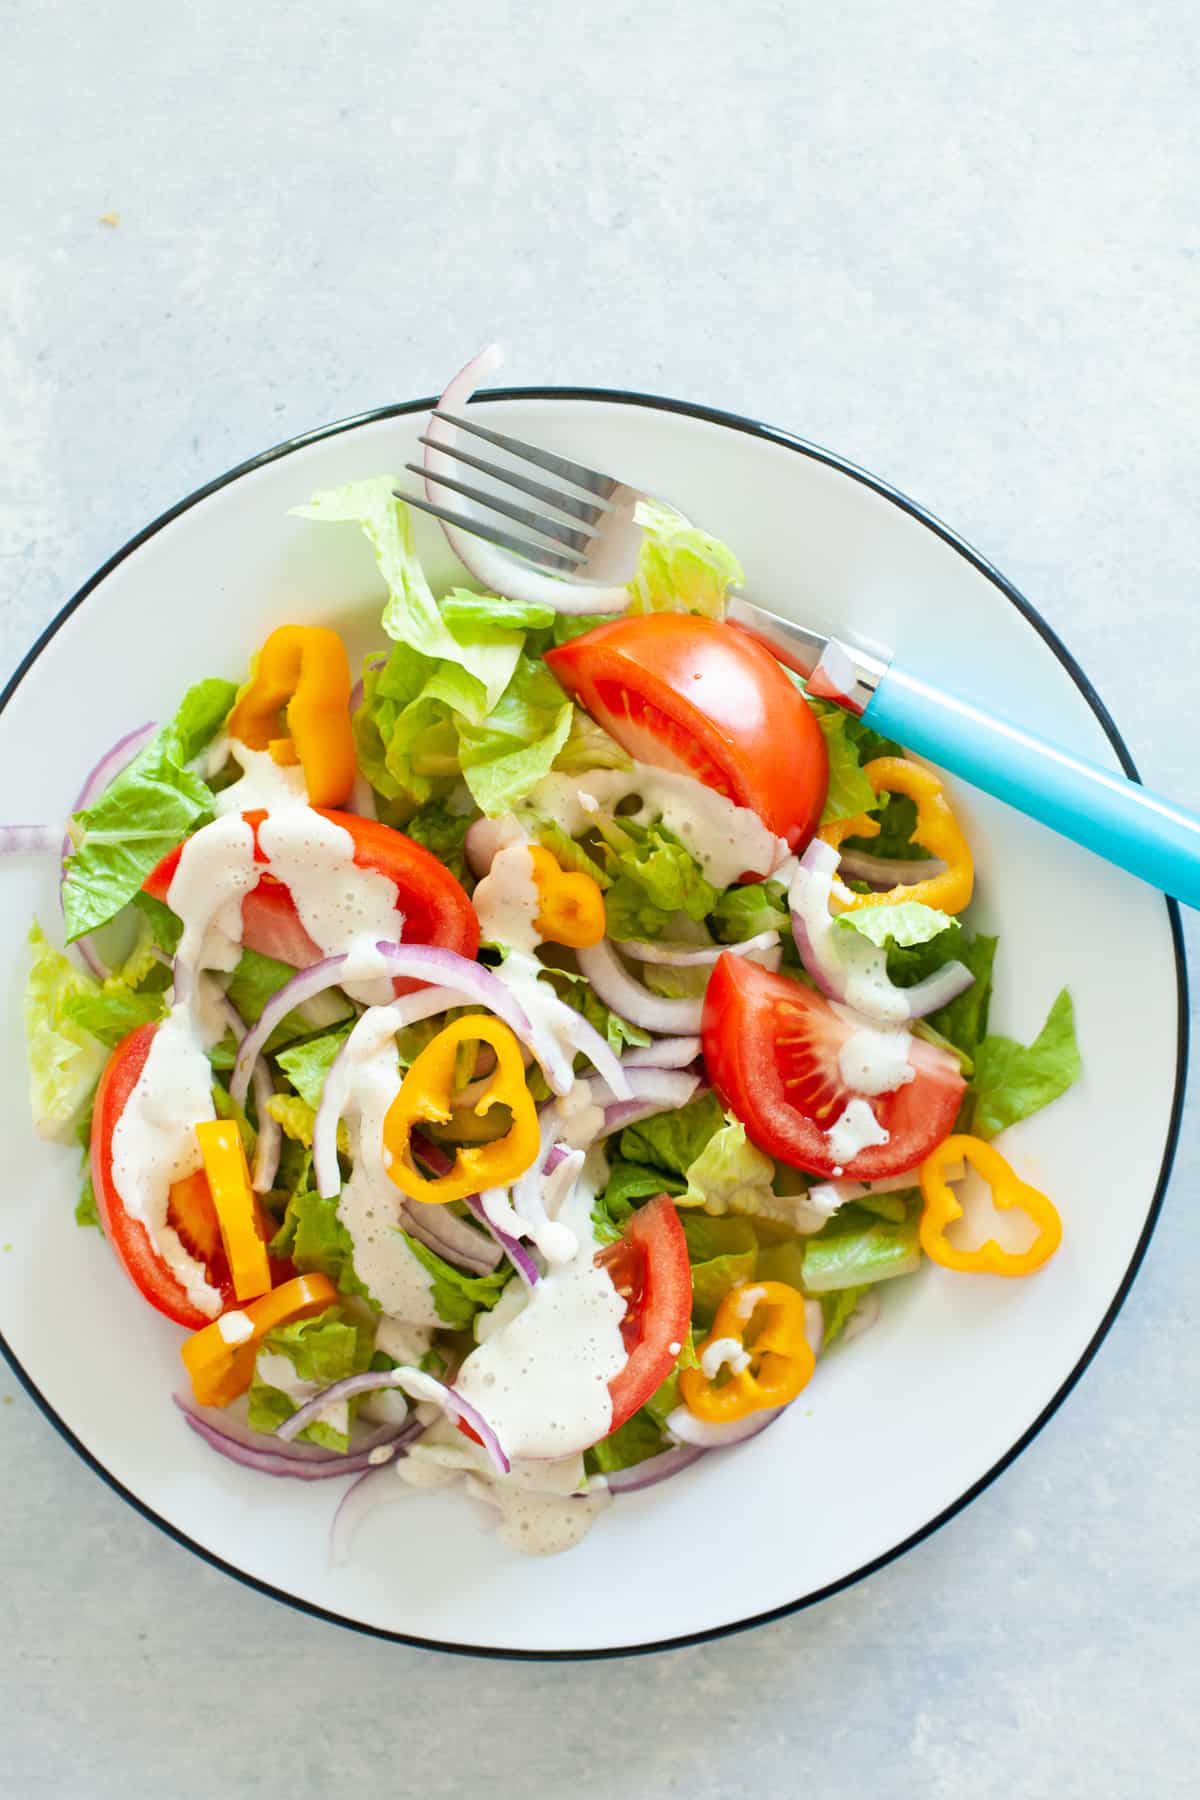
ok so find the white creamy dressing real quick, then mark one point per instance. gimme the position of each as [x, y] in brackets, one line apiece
[215, 872]
[154, 1142]
[856, 1128]
[507, 900]
[339, 904]
[874, 1060]
[278, 1371]
[726, 840]
[724, 1353]
[542, 1505]
[264, 784]
[541, 1381]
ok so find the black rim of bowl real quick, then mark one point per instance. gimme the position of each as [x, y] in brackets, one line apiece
[771, 434]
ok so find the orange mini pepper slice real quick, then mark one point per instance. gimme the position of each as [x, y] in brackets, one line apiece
[767, 1372]
[220, 1357]
[1008, 1190]
[570, 905]
[937, 830]
[302, 669]
[426, 1096]
[234, 1201]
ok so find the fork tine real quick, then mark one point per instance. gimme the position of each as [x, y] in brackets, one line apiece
[588, 510]
[562, 562]
[590, 479]
[576, 538]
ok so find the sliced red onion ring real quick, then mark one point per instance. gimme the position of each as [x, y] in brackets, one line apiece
[654, 1091]
[588, 1041]
[29, 840]
[702, 1435]
[512, 1247]
[109, 766]
[664, 1053]
[648, 1474]
[883, 872]
[450, 1237]
[229, 1426]
[832, 1194]
[848, 967]
[496, 570]
[619, 990]
[269, 1142]
[277, 1462]
[418, 1386]
[692, 956]
[363, 1496]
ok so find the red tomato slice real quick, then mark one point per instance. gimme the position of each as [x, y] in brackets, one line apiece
[129, 1238]
[697, 696]
[771, 1048]
[650, 1266]
[434, 904]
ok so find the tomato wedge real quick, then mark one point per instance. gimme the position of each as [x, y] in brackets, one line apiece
[697, 696]
[191, 1212]
[434, 904]
[650, 1266]
[771, 1048]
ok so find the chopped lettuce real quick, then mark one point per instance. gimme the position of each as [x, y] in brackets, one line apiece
[1013, 1080]
[742, 912]
[315, 1239]
[723, 1252]
[65, 1059]
[680, 568]
[463, 611]
[617, 1032]
[307, 1065]
[654, 876]
[730, 1175]
[849, 792]
[674, 1140]
[665, 1399]
[964, 1021]
[856, 1249]
[142, 814]
[566, 852]
[897, 817]
[904, 924]
[443, 832]
[456, 1295]
[486, 654]
[86, 1210]
[321, 1350]
[639, 1438]
[589, 746]
[838, 1307]
[505, 754]
[297, 1119]
[627, 1182]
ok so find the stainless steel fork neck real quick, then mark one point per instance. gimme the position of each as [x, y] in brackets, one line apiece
[832, 670]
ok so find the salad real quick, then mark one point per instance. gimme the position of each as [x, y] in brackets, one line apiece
[521, 1066]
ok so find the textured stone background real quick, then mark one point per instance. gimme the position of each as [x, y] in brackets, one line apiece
[959, 244]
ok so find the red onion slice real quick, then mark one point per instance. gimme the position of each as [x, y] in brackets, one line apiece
[363, 1496]
[619, 990]
[848, 967]
[277, 1462]
[225, 1424]
[648, 1474]
[664, 1053]
[702, 1435]
[495, 569]
[883, 872]
[512, 1247]
[270, 1133]
[451, 1238]
[418, 1386]
[692, 956]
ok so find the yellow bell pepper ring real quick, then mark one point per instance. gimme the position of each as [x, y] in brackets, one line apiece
[302, 669]
[570, 905]
[233, 1198]
[767, 1372]
[936, 830]
[219, 1357]
[426, 1097]
[1008, 1190]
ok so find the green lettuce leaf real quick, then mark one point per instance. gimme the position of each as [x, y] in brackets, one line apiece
[516, 744]
[1013, 1080]
[897, 821]
[654, 876]
[112, 1010]
[849, 791]
[633, 1442]
[723, 1252]
[904, 924]
[463, 611]
[674, 1140]
[458, 1296]
[443, 832]
[730, 1175]
[202, 712]
[315, 1239]
[65, 1060]
[680, 568]
[617, 1032]
[837, 1308]
[589, 746]
[628, 1182]
[86, 1210]
[307, 1065]
[964, 1021]
[487, 654]
[321, 1350]
[742, 912]
[665, 1399]
[566, 852]
[856, 1249]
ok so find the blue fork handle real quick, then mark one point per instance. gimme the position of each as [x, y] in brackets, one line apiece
[1099, 808]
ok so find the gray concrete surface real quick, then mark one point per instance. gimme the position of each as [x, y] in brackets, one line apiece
[959, 244]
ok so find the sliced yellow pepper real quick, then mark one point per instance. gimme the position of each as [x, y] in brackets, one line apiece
[1008, 1190]
[937, 830]
[426, 1096]
[570, 906]
[236, 1208]
[303, 668]
[778, 1363]
[221, 1361]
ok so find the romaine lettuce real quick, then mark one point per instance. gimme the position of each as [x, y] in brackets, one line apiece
[680, 568]
[1013, 1080]
[65, 1060]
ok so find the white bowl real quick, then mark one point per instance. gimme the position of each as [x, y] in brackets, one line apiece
[898, 1430]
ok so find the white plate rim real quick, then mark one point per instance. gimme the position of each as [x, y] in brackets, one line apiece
[791, 441]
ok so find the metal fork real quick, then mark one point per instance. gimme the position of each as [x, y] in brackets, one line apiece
[583, 528]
